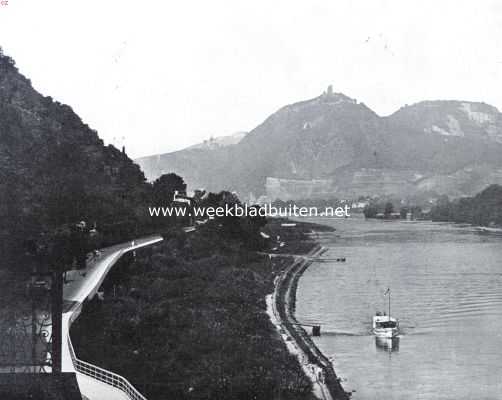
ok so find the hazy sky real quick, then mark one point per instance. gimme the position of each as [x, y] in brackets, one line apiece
[165, 75]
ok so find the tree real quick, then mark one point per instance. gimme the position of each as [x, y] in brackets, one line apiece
[63, 247]
[230, 223]
[165, 186]
[389, 208]
[251, 227]
[404, 211]
[370, 210]
[442, 210]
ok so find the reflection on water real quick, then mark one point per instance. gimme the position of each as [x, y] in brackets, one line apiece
[387, 344]
[446, 285]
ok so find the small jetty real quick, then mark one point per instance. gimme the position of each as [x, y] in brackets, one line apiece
[317, 258]
[329, 260]
[316, 327]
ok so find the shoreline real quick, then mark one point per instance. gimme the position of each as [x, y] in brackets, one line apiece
[281, 308]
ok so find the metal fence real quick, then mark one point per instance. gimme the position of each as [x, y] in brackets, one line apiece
[26, 327]
[104, 376]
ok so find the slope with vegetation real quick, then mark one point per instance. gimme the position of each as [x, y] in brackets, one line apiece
[188, 319]
[483, 209]
[55, 172]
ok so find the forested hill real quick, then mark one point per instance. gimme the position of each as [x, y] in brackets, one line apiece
[484, 209]
[54, 169]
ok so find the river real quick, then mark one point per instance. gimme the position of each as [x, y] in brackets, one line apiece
[446, 287]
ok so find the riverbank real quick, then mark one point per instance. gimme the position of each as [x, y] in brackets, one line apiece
[281, 308]
[187, 320]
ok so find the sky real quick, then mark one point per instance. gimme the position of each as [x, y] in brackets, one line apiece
[158, 76]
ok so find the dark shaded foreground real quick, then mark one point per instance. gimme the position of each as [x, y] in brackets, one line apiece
[187, 320]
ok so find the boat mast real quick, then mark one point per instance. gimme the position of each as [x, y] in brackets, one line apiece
[388, 290]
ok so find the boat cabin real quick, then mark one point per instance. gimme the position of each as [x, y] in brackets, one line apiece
[385, 324]
[383, 321]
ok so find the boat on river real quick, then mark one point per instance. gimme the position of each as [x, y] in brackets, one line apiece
[384, 325]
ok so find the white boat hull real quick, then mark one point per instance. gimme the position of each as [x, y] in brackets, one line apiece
[385, 327]
[386, 332]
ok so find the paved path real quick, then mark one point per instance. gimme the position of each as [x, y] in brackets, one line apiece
[82, 285]
[312, 371]
[94, 389]
[325, 380]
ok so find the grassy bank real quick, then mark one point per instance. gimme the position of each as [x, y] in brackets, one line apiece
[187, 319]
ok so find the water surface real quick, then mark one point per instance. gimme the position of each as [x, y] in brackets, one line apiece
[446, 283]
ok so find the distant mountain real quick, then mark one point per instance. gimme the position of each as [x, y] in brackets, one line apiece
[217, 142]
[190, 160]
[453, 118]
[333, 145]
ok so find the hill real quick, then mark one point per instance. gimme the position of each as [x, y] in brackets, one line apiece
[483, 209]
[220, 141]
[55, 170]
[333, 145]
[202, 162]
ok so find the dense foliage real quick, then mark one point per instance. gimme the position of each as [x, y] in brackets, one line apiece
[484, 209]
[187, 320]
[55, 171]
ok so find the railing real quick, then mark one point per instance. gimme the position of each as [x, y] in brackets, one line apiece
[104, 376]
[100, 374]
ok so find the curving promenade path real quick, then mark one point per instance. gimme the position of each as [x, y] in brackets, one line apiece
[95, 383]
